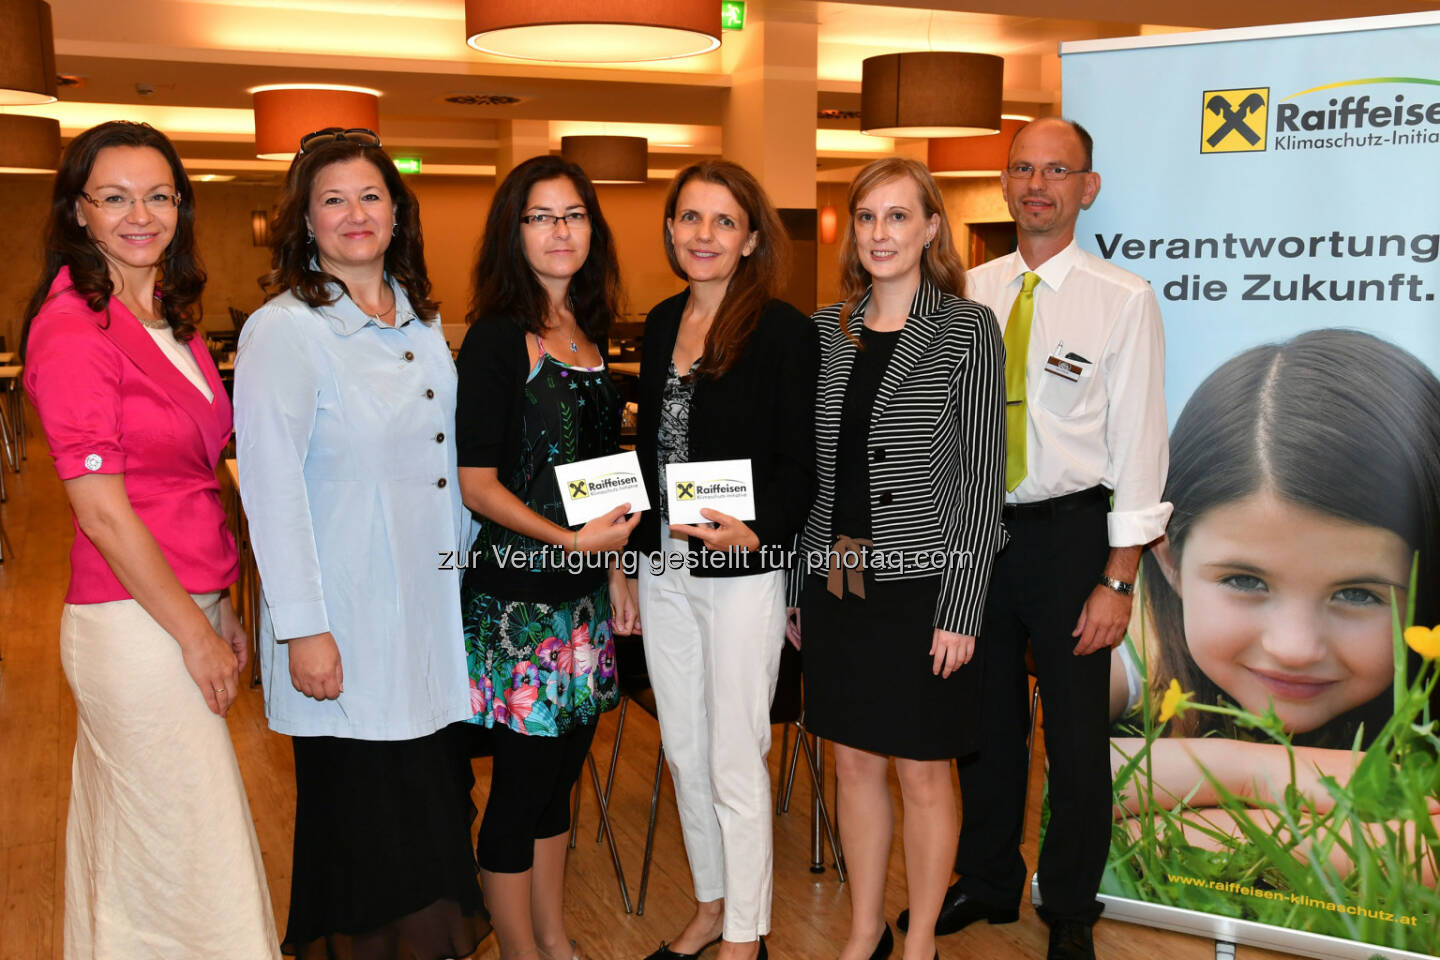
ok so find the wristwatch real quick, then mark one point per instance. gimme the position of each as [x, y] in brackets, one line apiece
[1119, 586]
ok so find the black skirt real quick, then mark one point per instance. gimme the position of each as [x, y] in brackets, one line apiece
[383, 867]
[867, 668]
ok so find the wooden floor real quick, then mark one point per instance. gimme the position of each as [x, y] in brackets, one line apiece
[37, 734]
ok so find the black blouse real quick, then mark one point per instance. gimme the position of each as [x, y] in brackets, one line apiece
[762, 409]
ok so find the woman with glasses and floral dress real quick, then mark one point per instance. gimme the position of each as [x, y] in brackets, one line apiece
[534, 394]
[161, 858]
[344, 408]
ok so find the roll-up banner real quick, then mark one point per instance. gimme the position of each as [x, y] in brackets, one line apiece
[1275, 750]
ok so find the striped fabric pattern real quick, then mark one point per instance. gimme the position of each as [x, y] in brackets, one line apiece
[936, 450]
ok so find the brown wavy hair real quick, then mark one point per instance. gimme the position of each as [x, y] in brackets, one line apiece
[292, 249]
[757, 277]
[940, 263]
[503, 284]
[181, 278]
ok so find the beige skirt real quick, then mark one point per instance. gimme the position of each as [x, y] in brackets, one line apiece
[161, 859]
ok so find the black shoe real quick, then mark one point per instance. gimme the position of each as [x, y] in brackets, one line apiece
[764, 954]
[959, 910]
[884, 946]
[1071, 940]
[665, 953]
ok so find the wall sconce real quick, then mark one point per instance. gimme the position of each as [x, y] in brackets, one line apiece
[260, 228]
[829, 223]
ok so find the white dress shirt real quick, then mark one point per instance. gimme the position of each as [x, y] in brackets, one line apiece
[345, 434]
[1107, 426]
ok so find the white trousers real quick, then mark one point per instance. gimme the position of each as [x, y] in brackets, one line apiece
[712, 645]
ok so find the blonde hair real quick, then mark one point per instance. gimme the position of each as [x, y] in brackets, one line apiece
[939, 263]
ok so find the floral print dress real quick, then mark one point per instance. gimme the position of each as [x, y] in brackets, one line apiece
[547, 667]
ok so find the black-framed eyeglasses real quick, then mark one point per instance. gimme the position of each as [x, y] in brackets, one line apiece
[575, 218]
[120, 203]
[1053, 171]
[360, 135]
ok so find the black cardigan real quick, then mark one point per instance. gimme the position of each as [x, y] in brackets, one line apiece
[762, 409]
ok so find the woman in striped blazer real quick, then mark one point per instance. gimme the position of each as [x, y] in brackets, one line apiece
[910, 451]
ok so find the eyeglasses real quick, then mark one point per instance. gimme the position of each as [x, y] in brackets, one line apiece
[1025, 171]
[575, 218]
[119, 203]
[360, 135]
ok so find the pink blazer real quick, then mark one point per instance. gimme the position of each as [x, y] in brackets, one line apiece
[111, 402]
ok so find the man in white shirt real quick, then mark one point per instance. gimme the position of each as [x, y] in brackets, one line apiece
[1085, 423]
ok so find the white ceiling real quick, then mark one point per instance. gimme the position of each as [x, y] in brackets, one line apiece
[197, 59]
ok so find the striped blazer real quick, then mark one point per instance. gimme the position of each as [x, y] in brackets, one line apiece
[936, 451]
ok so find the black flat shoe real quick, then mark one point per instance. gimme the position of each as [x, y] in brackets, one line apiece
[665, 953]
[884, 946]
[959, 910]
[764, 954]
[1071, 940]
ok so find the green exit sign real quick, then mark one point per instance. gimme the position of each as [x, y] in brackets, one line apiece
[732, 14]
[407, 164]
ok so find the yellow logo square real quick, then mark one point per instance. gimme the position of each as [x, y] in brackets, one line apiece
[685, 491]
[1234, 121]
[578, 489]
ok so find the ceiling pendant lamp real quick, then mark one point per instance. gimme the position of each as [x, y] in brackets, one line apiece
[931, 94]
[974, 156]
[286, 112]
[607, 159]
[587, 31]
[27, 53]
[29, 144]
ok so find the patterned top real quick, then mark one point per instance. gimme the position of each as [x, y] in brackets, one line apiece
[672, 439]
[541, 658]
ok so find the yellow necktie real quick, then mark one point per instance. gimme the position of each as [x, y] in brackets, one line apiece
[1017, 348]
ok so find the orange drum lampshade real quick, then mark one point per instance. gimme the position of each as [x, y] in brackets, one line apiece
[27, 53]
[974, 156]
[607, 159]
[29, 144]
[284, 114]
[931, 94]
[615, 31]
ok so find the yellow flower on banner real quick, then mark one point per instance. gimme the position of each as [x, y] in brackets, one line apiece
[1424, 641]
[1174, 696]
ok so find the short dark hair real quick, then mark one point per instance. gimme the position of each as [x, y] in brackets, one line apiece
[1337, 421]
[503, 282]
[292, 249]
[182, 278]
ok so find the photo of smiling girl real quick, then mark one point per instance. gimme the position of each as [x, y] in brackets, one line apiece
[1305, 477]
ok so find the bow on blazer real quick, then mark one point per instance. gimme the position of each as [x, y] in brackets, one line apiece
[936, 451]
[111, 402]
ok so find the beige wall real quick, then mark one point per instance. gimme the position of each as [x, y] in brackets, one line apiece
[453, 213]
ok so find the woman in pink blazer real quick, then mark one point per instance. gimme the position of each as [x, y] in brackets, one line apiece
[161, 855]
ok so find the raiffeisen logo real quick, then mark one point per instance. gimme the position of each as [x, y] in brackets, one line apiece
[1359, 120]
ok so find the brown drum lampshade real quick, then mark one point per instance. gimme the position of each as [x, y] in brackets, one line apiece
[615, 31]
[29, 144]
[607, 159]
[27, 53]
[931, 94]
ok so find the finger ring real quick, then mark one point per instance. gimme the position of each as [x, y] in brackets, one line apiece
[219, 691]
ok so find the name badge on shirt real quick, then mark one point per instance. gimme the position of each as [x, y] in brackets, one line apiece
[724, 485]
[1070, 366]
[592, 488]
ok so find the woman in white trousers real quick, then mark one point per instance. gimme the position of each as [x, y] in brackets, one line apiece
[727, 373]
